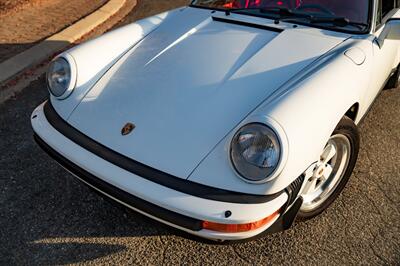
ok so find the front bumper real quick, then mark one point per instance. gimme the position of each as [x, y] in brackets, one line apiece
[175, 208]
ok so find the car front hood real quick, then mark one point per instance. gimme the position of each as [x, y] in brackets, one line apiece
[188, 84]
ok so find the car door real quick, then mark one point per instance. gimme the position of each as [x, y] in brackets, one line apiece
[386, 54]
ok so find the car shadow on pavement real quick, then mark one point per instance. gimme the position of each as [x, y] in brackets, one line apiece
[58, 254]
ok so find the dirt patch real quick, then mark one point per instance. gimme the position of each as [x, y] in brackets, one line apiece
[30, 23]
[146, 8]
[7, 6]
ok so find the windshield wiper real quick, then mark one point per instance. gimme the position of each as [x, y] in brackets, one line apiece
[285, 14]
[335, 21]
[338, 21]
[280, 11]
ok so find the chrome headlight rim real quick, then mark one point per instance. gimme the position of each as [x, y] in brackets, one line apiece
[73, 76]
[279, 133]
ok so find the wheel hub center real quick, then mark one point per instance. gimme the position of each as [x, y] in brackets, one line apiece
[319, 171]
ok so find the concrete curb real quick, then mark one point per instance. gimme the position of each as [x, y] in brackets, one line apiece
[59, 41]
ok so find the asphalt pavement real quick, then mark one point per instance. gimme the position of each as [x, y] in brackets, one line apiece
[48, 217]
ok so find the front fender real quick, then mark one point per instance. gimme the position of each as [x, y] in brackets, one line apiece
[310, 112]
[307, 108]
[94, 58]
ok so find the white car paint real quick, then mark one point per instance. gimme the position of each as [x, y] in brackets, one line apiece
[154, 79]
[178, 77]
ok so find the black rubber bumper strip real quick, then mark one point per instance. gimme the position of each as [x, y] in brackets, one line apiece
[149, 173]
[121, 195]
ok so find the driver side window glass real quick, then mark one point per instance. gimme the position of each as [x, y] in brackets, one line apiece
[384, 8]
[387, 6]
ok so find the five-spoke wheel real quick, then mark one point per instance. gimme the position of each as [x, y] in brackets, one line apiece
[326, 178]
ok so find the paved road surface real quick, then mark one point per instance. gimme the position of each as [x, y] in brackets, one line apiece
[48, 217]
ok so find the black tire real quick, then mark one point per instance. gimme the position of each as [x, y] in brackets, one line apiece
[347, 128]
[393, 81]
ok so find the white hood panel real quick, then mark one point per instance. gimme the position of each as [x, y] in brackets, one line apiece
[188, 84]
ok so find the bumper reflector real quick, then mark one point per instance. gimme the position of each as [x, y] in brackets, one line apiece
[237, 228]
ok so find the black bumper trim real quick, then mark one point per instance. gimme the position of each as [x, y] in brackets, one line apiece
[149, 173]
[286, 220]
[121, 195]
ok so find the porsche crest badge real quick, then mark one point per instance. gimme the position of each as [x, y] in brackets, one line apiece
[127, 129]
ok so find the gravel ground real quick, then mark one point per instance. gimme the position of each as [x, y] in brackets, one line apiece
[7, 6]
[146, 8]
[31, 23]
[48, 217]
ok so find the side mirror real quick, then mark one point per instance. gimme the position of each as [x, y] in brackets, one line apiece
[391, 31]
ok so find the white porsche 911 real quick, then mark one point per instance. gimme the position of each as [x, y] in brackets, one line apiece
[226, 118]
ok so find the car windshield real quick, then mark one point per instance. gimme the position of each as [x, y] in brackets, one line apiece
[350, 15]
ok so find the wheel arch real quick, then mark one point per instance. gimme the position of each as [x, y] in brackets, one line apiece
[352, 112]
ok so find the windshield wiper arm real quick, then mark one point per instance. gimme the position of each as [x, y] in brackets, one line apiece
[286, 14]
[281, 11]
[338, 21]
[261, 9]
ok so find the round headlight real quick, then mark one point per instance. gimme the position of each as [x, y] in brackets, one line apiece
[255, 152]
[59, 76]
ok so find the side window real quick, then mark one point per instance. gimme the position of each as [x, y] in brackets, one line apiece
[387, 6]
[384, 8]
[379, 14]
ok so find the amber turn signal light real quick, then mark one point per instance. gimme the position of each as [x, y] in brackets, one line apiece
[237, 228]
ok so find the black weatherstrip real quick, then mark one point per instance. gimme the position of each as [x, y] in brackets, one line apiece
[123, 196]
[149, 173]
[247, 24]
